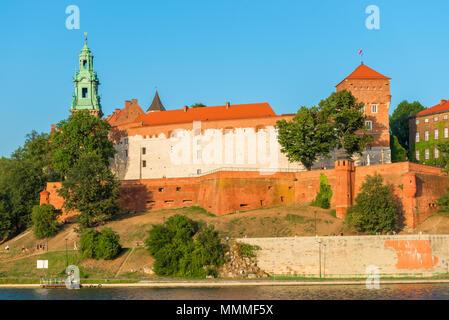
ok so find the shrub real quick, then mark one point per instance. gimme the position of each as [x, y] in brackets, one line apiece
[375, 209]
[100, 245]
[183, 247]
[45, 223]
[108, 244]
[88, 242]
[323, 197]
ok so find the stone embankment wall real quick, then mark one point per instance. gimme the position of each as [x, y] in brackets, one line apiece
[353, 254]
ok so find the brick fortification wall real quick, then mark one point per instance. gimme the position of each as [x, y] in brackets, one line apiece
[417, 188]
[352, 254]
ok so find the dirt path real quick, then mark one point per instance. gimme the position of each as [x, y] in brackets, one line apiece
[124, 262]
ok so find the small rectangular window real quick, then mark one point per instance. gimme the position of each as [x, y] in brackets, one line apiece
[446, 133]
[436, 153]
[144, 150]
[417, 137]
[84, 92]
[374, 108]
[435, 119]
[126, 153]
[445, 117]
[198, 154]
[144, 163]
[417, 155]
[426, 136]
[436, 134]
[426, 120]
[427, 154]
[369, 125]
[417, 121]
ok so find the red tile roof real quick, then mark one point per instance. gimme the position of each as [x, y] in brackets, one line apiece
[442, 106]
[237, 111]
[365, 72]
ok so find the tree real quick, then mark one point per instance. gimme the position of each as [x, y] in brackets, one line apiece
[399, 121]
[375, 209]
[398, 153]
[5, 217]
[45, 223]
[324, 196]
[306, 137]
[92, 189]
[183, 247]
[80, 133]
[347, 121]
[198, 105]
[108, 244]
[88, 243]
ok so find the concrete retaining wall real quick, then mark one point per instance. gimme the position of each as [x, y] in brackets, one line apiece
[353, 254]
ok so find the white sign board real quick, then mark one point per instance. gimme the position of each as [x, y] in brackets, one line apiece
[42, 264]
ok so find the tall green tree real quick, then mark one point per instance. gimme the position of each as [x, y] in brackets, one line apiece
[305, 138]
[398, 153]
[375, 209]
[80, 133]
[45, 223]
[345, 115]
[91, 189]
[399, 125]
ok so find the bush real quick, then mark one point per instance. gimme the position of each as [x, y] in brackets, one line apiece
[108, 245]
[185, 248]
[45, 223]
[375, 209]
[323, 197]
[100, 245]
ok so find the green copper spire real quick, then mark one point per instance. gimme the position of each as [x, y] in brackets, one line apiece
[86, 84]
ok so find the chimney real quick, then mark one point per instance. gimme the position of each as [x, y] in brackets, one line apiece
[442, 101]
[185, 108]
[227, 105]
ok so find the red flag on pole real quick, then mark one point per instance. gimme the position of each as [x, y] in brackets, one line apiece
[360, 51]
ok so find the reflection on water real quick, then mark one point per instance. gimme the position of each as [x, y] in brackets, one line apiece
[389, 292]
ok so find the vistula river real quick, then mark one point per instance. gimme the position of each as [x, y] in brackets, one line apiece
[328, 292]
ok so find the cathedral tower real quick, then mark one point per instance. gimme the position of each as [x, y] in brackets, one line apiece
[86, 85]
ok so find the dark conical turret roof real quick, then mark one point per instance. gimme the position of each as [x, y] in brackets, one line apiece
[156, 105]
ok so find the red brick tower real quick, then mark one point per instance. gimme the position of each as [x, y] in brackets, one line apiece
[344, 175]
[373, 89]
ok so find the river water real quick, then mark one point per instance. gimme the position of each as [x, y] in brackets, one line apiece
[327, 292]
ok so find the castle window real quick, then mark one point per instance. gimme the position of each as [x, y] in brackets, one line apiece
[362, 109]
[436, 134]
[426, 154]
[445, 117]
[198, 154]
[417, 137]
[144, 163]
[446, 133]
[84, 92]
[436, 153]
[374, 108]
[426, 120]
[426, 136]
[178, 189]
[417, 121]
[85, 64]
[198, 171]
[160, 189]
[144, 150]
[417, 155]
[435, 119]
[369, 125]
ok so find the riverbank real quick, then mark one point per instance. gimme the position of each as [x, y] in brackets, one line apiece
[233, 283]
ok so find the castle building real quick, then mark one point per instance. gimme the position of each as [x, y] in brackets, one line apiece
[190, 142]
[426, 129]
[86, 84]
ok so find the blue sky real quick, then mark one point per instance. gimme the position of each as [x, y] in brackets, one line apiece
[286, 53]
